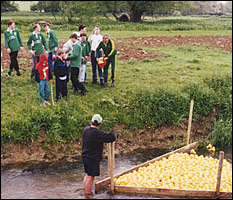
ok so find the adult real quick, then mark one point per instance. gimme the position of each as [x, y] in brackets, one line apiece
[35, 44]
[94, 39]
[92, 150]
[110, 54]
[52, 45]
[13, 44]
[75, 64]
[68, 47]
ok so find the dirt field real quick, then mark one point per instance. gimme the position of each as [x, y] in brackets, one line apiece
[131, 48]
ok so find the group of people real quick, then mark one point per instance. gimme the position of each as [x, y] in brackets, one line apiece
[70, 61]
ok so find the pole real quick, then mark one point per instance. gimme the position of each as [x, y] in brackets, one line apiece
[221, 156]
[52, 93]
[111, 163]
[190, 121]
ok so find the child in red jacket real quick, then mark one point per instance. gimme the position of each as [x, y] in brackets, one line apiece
[42, 75]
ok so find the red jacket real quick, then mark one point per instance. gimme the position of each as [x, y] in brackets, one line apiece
[43, 69]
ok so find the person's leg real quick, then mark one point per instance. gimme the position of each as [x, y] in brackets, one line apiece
[87, 184]
[57, 88]
[82, 73]
[47, 90]
[113, 65]
[100, 70]
[14, 62]
[41, 91]
[74, 78]
[85, 78]
[93, 64]
[35, 61]
[11, 64]
[106, 73]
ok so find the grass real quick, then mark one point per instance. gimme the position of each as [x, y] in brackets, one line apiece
[182, 74]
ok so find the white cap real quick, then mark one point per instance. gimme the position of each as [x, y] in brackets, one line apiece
[97, 117]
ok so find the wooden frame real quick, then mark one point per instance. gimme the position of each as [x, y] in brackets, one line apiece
[160, 191]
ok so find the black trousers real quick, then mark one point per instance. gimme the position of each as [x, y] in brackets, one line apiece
[61, 88]
[74, 78]
[14, 62]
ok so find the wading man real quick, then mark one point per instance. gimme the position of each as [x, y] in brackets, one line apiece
[92, 150]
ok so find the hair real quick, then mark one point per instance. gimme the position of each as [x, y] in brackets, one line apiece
[35, 26]
[95, 123]
[74, 35]
[83, 34]
[81, 27]
[104, 35]
[10, 22]
[98, 27]
[46, 24]
[60, 51]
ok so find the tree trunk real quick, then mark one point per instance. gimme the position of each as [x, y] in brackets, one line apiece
[135, 16]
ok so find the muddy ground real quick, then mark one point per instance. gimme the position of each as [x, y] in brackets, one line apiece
[37, 155]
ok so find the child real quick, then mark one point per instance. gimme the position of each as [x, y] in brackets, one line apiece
[42, 74]
[61, 72]
[85, 53]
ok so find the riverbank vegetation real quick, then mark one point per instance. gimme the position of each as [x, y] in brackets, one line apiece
[149, 94]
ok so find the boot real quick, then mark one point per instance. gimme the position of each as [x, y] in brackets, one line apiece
[105, 82]
[113, 84]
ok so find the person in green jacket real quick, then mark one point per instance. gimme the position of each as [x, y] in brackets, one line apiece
[35, 44]
[110, 54]
[85, 53]
[75, 64]
[13, 44]
[52, 44]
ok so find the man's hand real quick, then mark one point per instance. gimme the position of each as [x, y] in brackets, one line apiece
[55, 49]
[32, 52]
[51, 80]
[8, 51]
[21, 48]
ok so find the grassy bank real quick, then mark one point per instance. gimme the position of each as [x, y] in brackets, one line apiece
[148, 93]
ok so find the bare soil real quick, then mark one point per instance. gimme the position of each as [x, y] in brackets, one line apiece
[37, 154]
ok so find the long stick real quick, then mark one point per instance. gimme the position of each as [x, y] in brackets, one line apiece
[52, 93]
[190, 121]
[221, 156]
[111, 166]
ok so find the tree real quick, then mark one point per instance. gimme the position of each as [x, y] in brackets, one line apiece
[7, 6]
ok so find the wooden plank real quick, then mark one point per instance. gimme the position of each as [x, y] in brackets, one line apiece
[190, 121]
[103, 183]
[170, 192]
[221, 156]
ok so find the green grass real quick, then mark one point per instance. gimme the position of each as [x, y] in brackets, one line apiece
[146, 91]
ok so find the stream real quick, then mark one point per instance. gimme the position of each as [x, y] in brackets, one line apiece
[65, 181]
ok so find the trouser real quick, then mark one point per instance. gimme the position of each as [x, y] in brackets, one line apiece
[94, 66]
[85, 78]
[14, 62]
[82, 70]
[50, 60]
[35, 61]
[44, 91]
[111, 61]
[61, 88]
[74, 78]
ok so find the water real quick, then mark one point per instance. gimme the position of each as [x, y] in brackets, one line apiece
[65, 181]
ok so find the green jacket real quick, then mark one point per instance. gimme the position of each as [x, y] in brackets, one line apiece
[85, 49]
[109, 49]
[76, 56]
[36, 43]
[52, 41]
[12, 40]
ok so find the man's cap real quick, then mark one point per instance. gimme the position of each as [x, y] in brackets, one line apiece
[97, 118]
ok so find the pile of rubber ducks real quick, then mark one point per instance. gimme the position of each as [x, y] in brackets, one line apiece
[180, 171]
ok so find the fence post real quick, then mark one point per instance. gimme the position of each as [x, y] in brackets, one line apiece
[221, 156]
[190, 121]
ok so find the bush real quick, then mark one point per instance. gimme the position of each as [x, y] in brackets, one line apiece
[161, 107]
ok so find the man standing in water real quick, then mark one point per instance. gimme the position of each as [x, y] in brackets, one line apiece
[92, 150]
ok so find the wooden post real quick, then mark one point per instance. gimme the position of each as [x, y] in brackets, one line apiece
[221, 156]
[190, 121]
[52, 93]
[111, 163]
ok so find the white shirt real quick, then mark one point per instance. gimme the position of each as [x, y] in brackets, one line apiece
[95, 40]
